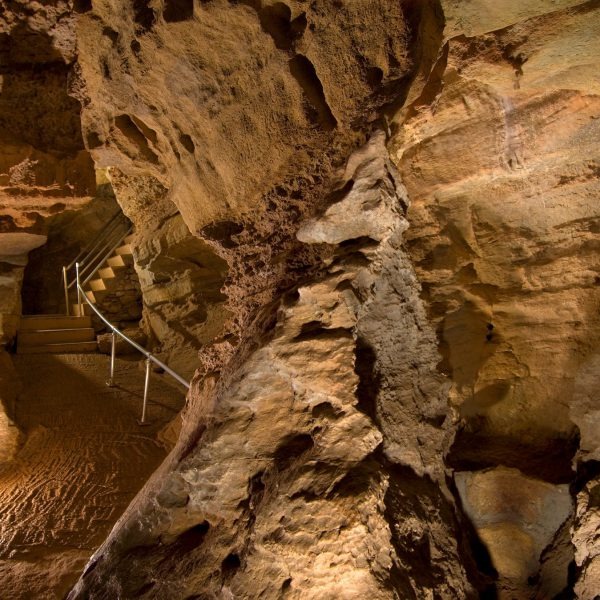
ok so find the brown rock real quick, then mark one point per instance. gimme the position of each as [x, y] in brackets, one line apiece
[122, 346]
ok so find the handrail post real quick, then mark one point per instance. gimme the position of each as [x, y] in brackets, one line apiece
[80, 307]
[66, 286]
[113, 349]
[142, 421]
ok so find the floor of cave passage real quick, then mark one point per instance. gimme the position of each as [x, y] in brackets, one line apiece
[83, 458]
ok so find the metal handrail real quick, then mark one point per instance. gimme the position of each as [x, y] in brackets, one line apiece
[150, 358]
[108, 253]
[107, 249]
[95, 241]
[97, 252]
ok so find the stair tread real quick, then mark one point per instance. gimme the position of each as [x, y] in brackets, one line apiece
[59, 329]
[33, 317]
[123, 250]
[42, 337]
[35, 322]
[66, 347]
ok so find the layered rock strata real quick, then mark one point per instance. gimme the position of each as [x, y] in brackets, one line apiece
[499, 155]
[372, 228]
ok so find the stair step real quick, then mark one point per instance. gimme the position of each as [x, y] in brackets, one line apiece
[65, 348]
[129, 239]
[97, 284]
[43, 337]
[106, 273]
[115, 261]
[120, 260]
[36, 322]
[124, 250]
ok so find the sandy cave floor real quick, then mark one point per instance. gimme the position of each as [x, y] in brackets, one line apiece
[83, 459]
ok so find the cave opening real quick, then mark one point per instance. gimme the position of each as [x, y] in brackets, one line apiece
[91, 237]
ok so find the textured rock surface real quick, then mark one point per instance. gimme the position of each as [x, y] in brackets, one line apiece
[585, 538]
[498, 132]
[371, 228]
[44, 167]
[9, 388]
[517, 519]
[499, 155]
[303, 498]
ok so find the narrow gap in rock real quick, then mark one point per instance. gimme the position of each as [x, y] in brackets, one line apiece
[132, 132]
[305, 74]
[187, 143]
[368, 378]
[291, 449]
[144, 14]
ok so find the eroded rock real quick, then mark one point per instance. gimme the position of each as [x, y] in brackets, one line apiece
[517, 518]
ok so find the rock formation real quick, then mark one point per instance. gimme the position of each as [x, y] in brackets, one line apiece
[369, 230]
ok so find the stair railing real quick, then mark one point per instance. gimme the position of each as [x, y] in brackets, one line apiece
[115, 331]
[93, 256]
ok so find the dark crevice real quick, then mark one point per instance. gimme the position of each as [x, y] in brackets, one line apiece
[410, 496]
[82, 6]
[223, 233]
[549, 460]
[358, 243]
[305, 74]
[144, 589]
[276, 20]
[134, 134]
[339, 194]
[111, 34]
[192, 538]
[358, 480]
[143, 14]
[374, 77]
[586, 471]
[476, 557]
[178, 10]
[187, 143]
[148, 133]
[324, 410]
[426, 23]
[314, 330]
[231, 563]
[369, 380]
[291, 449]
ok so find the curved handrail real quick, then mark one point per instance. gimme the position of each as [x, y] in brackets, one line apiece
[149, 356]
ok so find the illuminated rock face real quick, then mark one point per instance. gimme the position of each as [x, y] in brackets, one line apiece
[500, 159]
[371, 229]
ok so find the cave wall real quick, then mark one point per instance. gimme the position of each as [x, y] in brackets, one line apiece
[233, 116]
[441, 306]
[44, 166]
[500, 159]
[369, 231]
[314, 492]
